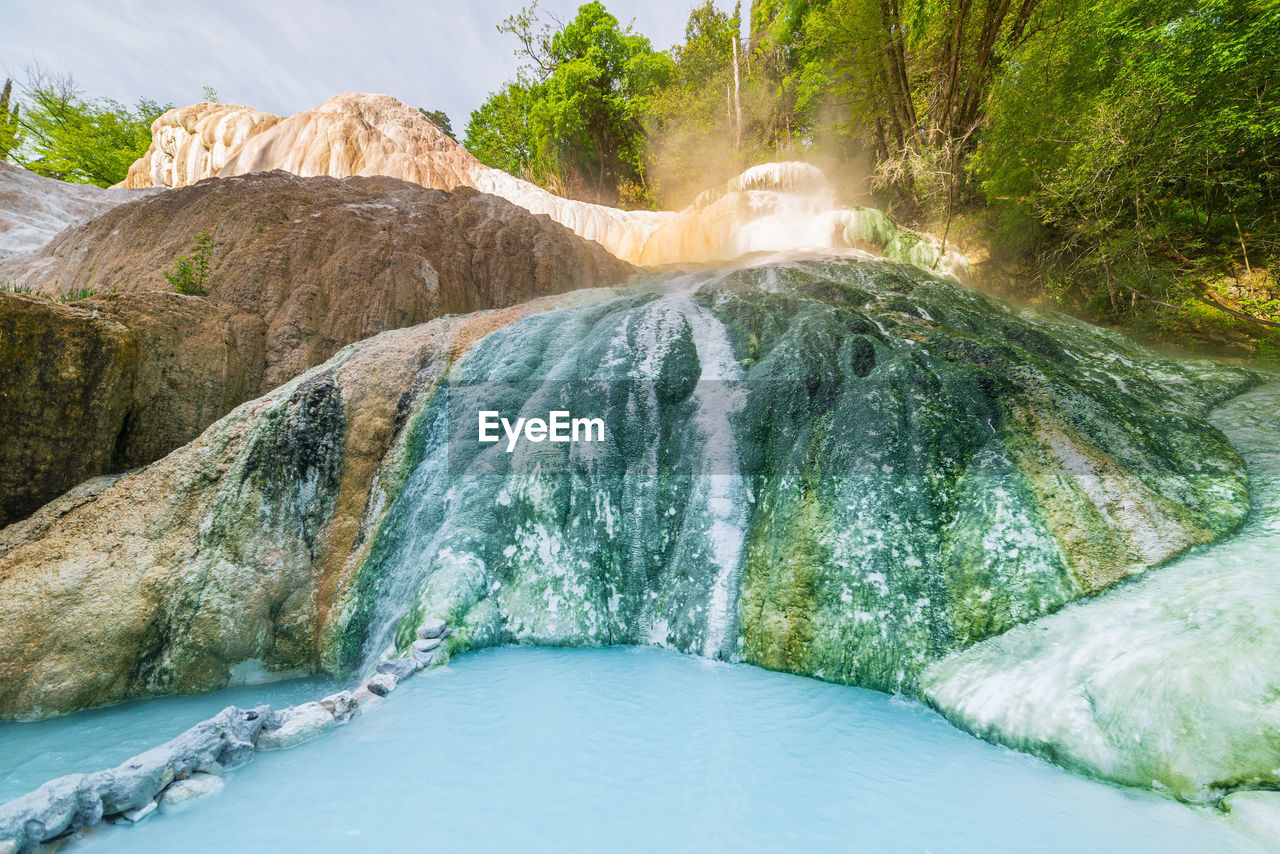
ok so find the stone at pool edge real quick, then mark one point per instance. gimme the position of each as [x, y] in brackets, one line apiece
[342, 705]
[297, 724]
[181, 792]
[382, 684]
[426, 644]
[400, 667]
[431, 629]
[135, 816]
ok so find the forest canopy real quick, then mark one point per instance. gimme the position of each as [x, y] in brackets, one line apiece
[1117, 155]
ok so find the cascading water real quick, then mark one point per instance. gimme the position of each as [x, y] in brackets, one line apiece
[829, 467]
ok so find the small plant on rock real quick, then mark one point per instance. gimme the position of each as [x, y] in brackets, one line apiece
[189, 273]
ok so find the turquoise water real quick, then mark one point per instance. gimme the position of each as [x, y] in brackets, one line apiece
[636, 749]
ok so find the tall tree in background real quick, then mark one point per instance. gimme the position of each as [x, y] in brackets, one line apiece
[693, 120]
[1158, 164]
[8, 122]
[572, 120]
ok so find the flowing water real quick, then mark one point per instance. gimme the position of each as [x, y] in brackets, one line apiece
[637, 749]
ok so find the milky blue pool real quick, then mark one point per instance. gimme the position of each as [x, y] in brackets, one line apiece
[622, 749]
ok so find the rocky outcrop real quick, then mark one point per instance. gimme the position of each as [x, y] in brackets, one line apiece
[112, 383]
[233, 547]
[302, 267]
[1170, 682]
[843, 470]
[770, 208]
[33, 208]
[189, 144]
[65, 379]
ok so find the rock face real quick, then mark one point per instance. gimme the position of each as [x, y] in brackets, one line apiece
[65, 380]
[774, 207]
[1169, 681]
[848, 470]
[234, 547]
[303, 267]
[33, 208]
[191, 143]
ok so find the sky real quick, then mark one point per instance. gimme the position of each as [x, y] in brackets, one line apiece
[283, 56]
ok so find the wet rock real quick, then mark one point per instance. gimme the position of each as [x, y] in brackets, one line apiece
[381, 684]
[135, 816]
[1256, 813]
[426, 645]
[431, 629]
[342, 706]
[400, 668]
[366, 698]
[297, 724]
[61, 805]
[181, 792]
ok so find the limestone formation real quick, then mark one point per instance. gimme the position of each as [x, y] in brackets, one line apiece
[33, 209]
[771, 208]
[191, 143]
[918, 486]
[303, 267]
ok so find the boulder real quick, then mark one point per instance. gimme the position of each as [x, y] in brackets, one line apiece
[342, 706]
[296, 725]
[382, 684]
[303, 266]
[181, 793]
[433, 628]
[401, 668]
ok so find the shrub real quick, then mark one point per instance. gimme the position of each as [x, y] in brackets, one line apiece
[189, 273]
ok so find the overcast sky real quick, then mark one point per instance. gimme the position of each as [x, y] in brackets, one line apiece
[283, 56]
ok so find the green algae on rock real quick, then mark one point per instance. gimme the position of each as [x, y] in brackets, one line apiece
[846, 470]
[1170, 682]
[840, 468]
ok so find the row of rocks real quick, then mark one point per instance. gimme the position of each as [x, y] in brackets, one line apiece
[191, 766]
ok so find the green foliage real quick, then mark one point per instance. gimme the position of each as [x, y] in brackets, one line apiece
[9, 124]
[189, 273]
[441, 120]
[77, 294]
[1158, 165]
[573, 119]
[210, 94]
[70, 138]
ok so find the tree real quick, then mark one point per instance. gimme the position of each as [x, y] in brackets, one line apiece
[440, 119]
[9, 124]
[73, 139]
[577, 106]
[1161, 156]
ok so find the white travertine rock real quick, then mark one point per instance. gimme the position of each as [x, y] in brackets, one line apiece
[769, 208]
[189, 144]
[33, 209]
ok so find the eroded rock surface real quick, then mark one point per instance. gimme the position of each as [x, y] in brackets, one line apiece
[899, 468]
[33, 209]
[302, 267]
[772, 207]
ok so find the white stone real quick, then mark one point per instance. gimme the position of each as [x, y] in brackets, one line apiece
[182, 792]
[298, 724]
[140, 813]
[431, 629]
